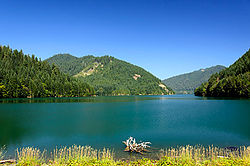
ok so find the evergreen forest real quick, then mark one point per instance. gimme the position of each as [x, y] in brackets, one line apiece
[111, 76]
[188, 82]
[233, 81]
[22, 76]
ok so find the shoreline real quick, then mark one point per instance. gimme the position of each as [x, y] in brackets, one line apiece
[60, 97]
[86, 155]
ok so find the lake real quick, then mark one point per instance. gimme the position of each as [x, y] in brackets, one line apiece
[106, 121]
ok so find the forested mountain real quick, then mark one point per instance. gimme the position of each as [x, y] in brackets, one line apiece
[233, 81]
[110, 76]
[25, 76]
[186, 83]
[70, 64]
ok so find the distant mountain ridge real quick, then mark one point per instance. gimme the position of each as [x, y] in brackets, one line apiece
[186, 83]
[233, 81]
[110, 76]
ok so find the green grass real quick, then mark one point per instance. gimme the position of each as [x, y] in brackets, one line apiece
[85, 155]
[1, 153]
[30, 156]
[82, 155]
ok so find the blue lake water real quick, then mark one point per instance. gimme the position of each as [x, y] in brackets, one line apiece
[106, 121]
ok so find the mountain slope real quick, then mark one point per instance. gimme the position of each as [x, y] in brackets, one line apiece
[111, 76]
[70, 64]
[24, 76]
[186, 83]
[233, 81]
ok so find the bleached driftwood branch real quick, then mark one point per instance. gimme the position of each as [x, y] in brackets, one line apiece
[7, 161]
[132, 146]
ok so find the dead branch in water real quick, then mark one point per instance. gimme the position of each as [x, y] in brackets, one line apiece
[132, 146]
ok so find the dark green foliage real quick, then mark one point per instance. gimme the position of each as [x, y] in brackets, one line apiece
[25, 76]
[186, 83]
[110, 76]
[70, 64]
[233, 81]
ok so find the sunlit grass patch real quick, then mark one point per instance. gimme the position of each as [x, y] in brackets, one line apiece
[2, 152]
[200, 155]
[30, 156]
[82, 155]
[85, 155]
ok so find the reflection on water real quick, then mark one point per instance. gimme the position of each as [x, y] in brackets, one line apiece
[98, 99]
[110, 99]
[106, 121]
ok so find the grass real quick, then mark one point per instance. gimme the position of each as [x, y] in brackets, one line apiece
[85, 155]
[82, 155]
[199, 155]
[30, 156]
[1, 153]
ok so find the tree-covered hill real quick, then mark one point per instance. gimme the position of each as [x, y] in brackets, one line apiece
[24, 76]
[70, 64]
[110, 76]
[186, 83]
[233, 81]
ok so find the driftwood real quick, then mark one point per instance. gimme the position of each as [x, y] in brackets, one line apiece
[7, 161]
[132, 146]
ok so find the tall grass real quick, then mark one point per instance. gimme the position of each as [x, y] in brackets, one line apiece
[82, 155]
[85, 155]
[200, 155]
[30, 156]
[2, 153]
[74, 155]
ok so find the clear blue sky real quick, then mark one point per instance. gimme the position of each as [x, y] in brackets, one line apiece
[166, 37]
